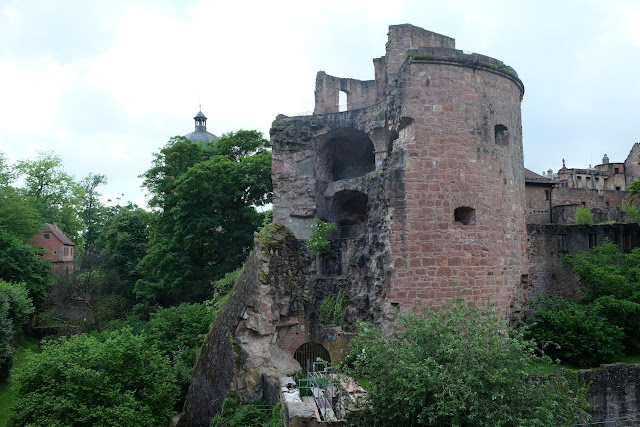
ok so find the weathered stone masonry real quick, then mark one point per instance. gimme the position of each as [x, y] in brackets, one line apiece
[442, 130]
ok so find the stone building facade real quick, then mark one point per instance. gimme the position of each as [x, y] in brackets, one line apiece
[423, 173]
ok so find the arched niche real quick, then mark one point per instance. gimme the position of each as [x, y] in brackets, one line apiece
[346, 153]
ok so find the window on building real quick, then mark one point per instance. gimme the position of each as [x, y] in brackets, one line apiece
[616, 170]
[342, 101]
[45, 236]
[562, 242]
[465, 215]
[617, 188]
[55, 252]
[593, 240]
[66, 251]
[547, 194]
[501, 135]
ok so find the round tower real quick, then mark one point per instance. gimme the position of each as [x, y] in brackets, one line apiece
[461, 227]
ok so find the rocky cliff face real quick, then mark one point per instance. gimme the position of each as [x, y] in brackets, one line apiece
[241, 347]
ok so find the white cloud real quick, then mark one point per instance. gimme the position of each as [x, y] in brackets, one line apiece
[630, 28]
[30, 93]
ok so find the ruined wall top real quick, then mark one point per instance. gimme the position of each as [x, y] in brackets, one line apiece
[406, 36]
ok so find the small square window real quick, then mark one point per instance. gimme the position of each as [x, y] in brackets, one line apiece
[55, 252]
[45, 236]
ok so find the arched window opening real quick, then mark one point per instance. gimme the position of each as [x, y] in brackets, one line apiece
[342, 101]
[348, 153]
[465, 215]
[310, 352]
[351, 210]
[502, 135]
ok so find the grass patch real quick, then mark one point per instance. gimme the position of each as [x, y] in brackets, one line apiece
[631, 358]
[8, 392]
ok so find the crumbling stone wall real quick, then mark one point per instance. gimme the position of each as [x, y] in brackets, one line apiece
[604, 204]
[548, 243]
[631, 166]
[446, 215]
[614, 393]
[360, 94]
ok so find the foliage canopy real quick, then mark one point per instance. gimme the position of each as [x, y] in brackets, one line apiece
[207, 195]
[111, 378]
[461, 365]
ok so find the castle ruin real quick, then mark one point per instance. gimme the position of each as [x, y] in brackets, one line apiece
[438, 132]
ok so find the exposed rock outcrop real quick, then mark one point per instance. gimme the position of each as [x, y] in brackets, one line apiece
[241, 347]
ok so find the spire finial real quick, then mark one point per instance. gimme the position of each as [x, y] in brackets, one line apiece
[200, 107]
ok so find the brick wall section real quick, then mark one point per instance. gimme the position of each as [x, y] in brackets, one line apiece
[604, 204]
[452, 160]
[537, 203]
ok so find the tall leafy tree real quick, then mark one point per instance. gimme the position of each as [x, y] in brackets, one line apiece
[124, 243]
[93, 212]
[53, 192]
[207, 195]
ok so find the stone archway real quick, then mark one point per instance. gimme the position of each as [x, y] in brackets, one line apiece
[309, 352]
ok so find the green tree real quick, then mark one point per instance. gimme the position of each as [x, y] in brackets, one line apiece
[53, 192]
[6, 172]
[610, 282]
[18, 216]
[575, 333]
[208, 194]
[461, 365]
[19, 262]
[584, 216]
[124, 242]
[631, 212]
[93, 213]
[15, 307]
[177, 332]
[111, 378]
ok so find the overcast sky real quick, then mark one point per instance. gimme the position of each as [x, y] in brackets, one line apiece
[105, 84]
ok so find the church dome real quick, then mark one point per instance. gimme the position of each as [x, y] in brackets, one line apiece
[200, 134]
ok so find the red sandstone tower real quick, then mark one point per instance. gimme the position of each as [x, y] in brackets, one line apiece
[423, 172]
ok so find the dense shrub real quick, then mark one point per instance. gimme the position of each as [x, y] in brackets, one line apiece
[584, 216]
[333, 309]
[236, 414]
[15, 307]
[574, 333]
[624, 314]
[177, 332]
[110, 378]
[319, 243]
[460, 366]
